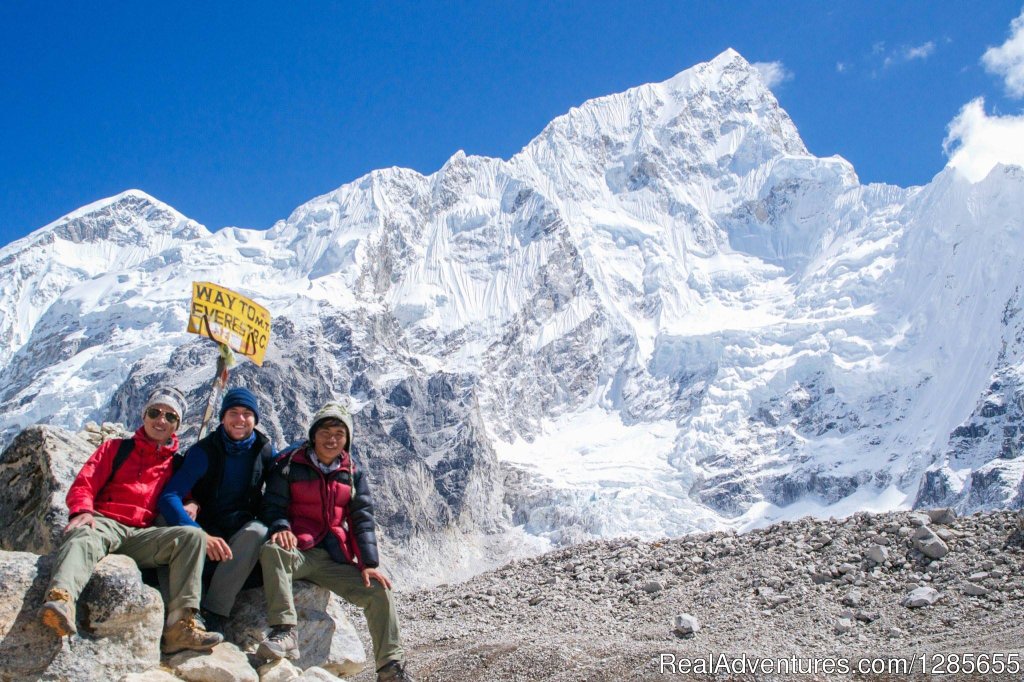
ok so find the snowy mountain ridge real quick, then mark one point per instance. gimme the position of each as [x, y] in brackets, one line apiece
[664, 314]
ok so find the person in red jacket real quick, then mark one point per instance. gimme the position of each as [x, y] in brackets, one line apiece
[318, 508]
[111, 509]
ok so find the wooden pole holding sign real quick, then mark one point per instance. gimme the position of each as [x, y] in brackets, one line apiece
[234, 322]
[225, 361]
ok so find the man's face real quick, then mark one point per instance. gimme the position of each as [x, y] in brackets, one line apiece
[239, 422]
[329, 442]
[160, 421]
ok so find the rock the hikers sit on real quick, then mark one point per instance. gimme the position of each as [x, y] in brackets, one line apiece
[112, 505]
[320, 514]
[225, 472]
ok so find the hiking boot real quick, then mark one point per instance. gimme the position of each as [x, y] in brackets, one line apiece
[393, 671]
[188, 633]
[214, 622]
[58, 612]
[282, 642]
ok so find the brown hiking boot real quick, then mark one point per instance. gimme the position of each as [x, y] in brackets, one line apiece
[393, 671]
[58, 612]
[188, 633]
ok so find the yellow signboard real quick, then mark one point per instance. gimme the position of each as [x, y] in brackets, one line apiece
[231, 319]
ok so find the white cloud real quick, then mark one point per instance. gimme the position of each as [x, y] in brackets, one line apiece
[1007, 60]
[976, 142]
[841, 67]
[919, 52]
[773, 73]
[905, 54]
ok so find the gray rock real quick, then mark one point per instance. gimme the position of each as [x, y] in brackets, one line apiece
[852, 598]
[945, 516]
[120, 621]
[316, 674]
[281, 670]
[918, 519]
[36, 471]
[685, 625]
[922, 596]
[878, 554]
[844, 625]
[820, 578]
[928, 543]
[975, 590]
[653, 586]
[226, 663]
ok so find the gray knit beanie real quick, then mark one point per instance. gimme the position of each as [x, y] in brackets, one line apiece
[169, 396]
[332, 410]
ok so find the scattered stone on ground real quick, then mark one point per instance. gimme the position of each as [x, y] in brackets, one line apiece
[809, 589]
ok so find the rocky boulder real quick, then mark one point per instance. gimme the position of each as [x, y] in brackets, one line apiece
[119, 620]
[36, 471]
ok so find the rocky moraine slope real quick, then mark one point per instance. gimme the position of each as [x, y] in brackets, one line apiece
[860, 591]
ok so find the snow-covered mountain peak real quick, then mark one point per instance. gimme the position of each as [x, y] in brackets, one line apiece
[662, 314]
[716, 116]
[131, 218]
[116, 233]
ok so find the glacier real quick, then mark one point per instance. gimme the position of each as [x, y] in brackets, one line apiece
[663, 315]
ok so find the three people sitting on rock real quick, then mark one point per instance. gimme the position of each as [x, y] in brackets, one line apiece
[317, 507]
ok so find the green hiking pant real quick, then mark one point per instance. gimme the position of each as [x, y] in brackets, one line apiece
[229, 576]
[282, 566]
[181, 548]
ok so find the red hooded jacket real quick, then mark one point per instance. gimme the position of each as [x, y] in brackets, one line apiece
[301, 498]
[131, 494]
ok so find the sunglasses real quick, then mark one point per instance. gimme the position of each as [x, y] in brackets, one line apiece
[154, 413]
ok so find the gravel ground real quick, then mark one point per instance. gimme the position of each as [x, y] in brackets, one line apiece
[824, 595]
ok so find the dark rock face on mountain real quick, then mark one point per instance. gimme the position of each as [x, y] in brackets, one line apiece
[420, 438]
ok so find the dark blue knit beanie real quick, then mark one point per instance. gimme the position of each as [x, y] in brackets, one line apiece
[240, 397]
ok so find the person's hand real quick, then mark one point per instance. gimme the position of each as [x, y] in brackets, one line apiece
[373, 574]
[192, 509]
[285, 538]
[217, 549]
[83, 519]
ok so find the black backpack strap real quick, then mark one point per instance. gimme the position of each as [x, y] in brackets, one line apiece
[123, 450]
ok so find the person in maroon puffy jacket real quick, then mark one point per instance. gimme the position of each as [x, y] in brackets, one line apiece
[318, 508]
[111, 510]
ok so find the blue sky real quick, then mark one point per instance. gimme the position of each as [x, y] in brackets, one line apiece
[236, 113]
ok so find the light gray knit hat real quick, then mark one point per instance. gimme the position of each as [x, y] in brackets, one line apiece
[169, 396]
[332, 410]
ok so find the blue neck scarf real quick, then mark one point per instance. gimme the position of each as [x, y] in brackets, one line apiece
[236, 447]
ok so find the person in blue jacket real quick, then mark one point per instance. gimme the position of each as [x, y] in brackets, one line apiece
[224, 475]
